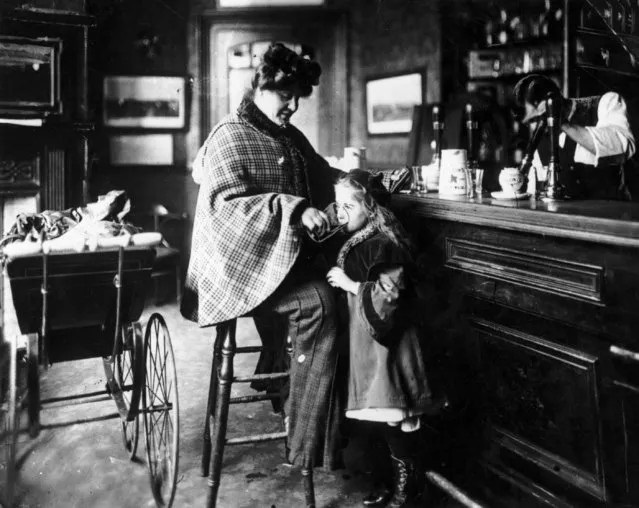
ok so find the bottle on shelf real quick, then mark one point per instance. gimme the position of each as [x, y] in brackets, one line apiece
[544, 20]
[557, 21]
[518, 28]
[551, 20]
[489, 33]
[503, 28]
[629, 17]
[619, 17]
[607, 12]
[534, 28]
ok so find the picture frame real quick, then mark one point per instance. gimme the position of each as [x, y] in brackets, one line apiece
[144, 102]
[155, 149]
[390, 100]
[30, 76]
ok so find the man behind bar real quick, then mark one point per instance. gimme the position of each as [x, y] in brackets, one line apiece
[595, 138]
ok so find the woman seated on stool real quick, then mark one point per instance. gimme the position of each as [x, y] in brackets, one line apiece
[262, 187]
[387, 377]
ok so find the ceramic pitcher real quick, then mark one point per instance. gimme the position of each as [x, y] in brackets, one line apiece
[453, 178]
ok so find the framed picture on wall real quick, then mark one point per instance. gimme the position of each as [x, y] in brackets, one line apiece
[390, 100]
[141, 149]
[30, 76]
[144, 102]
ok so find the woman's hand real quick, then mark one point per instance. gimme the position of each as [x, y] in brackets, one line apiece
[338, 279]
[315, 221]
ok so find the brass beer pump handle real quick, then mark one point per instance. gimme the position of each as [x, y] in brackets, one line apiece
[438, 127]
[552, 131]
[471, 127]
[533, 143]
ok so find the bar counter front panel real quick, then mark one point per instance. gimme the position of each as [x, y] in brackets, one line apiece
[538, 316]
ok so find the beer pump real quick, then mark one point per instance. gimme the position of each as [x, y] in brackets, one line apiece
[474, 172]
[554, 190]
[525, 167]
[532, 145]
[438, 128]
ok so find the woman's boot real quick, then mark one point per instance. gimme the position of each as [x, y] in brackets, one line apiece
[408, 482]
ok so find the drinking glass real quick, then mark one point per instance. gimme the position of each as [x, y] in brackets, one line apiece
[337, 221]
[479, 182]
[542, 179]
[418, 185]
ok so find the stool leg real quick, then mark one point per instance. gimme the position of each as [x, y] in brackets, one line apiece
[309, 488]
[210, 407]
[226, 332]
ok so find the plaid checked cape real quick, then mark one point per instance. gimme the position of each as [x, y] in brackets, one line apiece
[256, 180]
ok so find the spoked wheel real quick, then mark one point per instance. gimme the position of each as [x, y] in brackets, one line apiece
[125, 374]
[161, 411]
[129, 371]
[8, 431]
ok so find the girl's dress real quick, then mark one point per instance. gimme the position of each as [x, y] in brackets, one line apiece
[387, 375]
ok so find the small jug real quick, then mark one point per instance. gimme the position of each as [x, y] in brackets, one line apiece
[511, 180]
[453, 178]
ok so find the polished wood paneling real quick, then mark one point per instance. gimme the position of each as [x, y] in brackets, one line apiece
[53, 190]
[59, 145]
[555, 275]
[541, 393]
[20, 175]
[542, 301]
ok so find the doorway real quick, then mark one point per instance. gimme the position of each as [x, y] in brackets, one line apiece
[233, 44]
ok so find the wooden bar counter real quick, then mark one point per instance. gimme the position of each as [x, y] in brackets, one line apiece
[535, 312]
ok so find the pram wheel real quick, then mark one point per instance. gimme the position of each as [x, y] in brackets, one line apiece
[129, 365]
[8, 431]
[161, 411]
[124, 371]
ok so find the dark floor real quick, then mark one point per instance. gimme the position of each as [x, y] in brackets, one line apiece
[78, 459]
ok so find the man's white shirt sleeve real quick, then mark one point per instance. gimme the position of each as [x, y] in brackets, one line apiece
[612, 137]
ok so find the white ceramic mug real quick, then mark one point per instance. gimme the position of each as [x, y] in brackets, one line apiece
[453, 178]
[511, 180]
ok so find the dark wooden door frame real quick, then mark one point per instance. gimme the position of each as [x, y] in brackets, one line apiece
[333, 119]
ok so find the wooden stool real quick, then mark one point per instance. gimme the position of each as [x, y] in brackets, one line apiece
[222, 378]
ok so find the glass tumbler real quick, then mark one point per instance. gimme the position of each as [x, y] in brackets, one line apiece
[337, 218]
[418, 185]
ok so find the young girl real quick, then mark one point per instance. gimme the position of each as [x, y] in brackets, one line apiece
[387, 376]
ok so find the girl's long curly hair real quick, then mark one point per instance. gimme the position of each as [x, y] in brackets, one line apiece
[369, 190]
